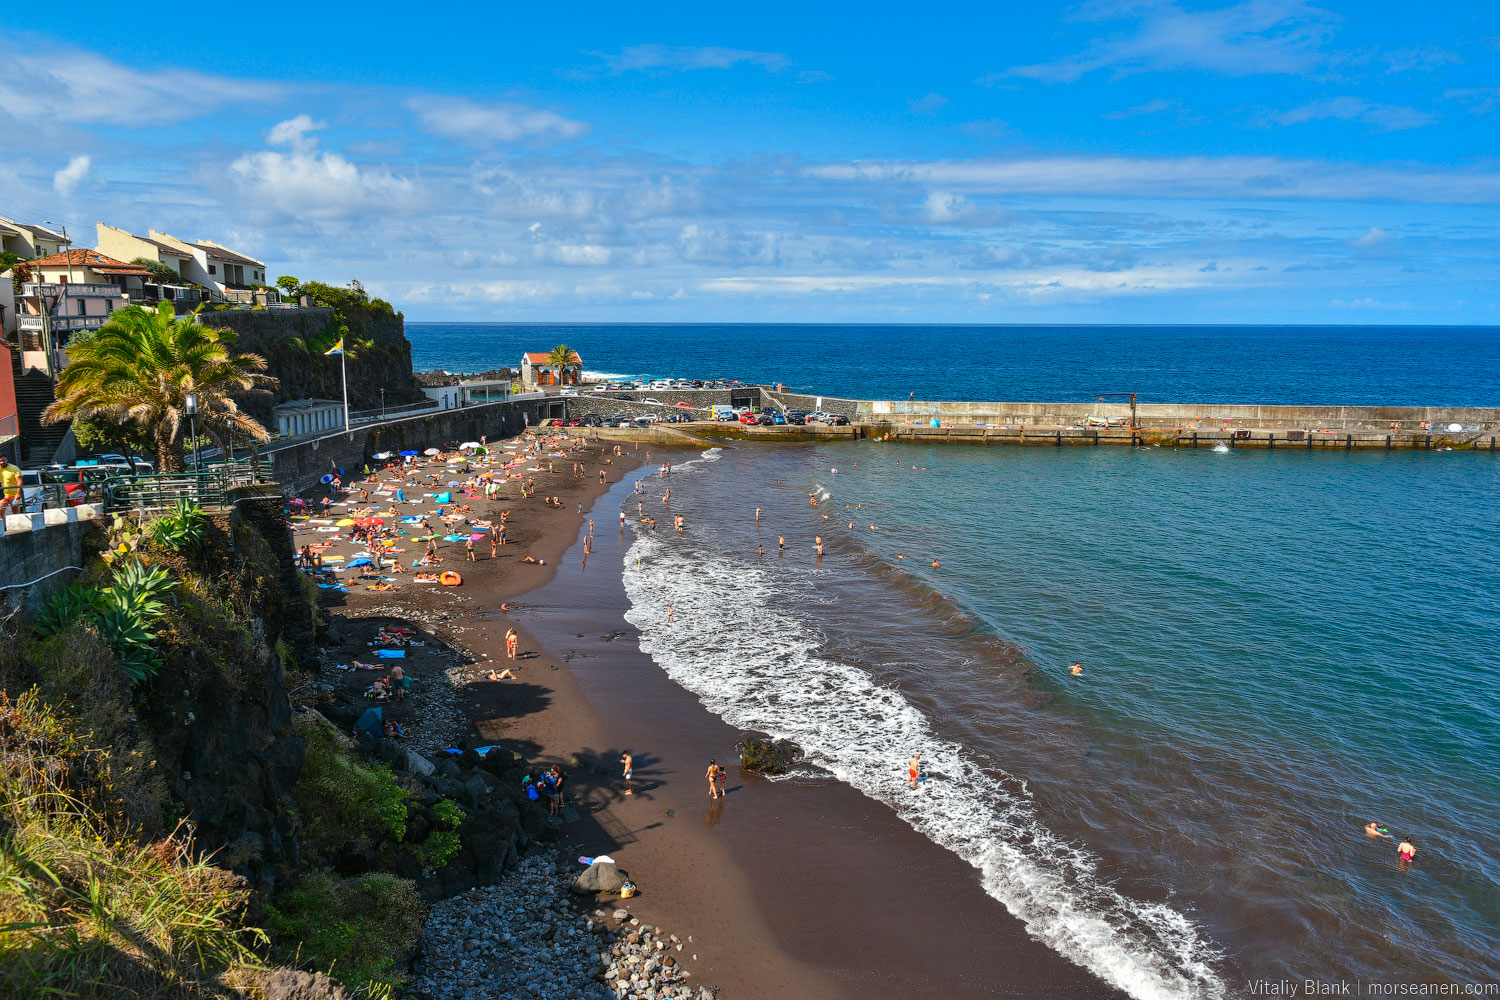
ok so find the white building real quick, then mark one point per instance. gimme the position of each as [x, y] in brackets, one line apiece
[308, 416]
[29, 241]
[217, 267]
[447, 397]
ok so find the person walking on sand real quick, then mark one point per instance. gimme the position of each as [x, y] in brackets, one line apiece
[713, 779]
[469, 550]
[911, 770]
[512, 643]
[628, 762]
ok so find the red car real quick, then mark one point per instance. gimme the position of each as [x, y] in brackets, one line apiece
[749, 418]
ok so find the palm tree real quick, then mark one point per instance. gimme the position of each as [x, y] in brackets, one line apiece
[141, 365]
[562, 357]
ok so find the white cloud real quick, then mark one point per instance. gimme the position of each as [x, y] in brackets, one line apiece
[688, 57]
[66, 180]
[1228, 177]
[1480, 100]
[928, 104]
[944, 208]
[484, 124]
[1382, 117]
[294, 131]
[1152, 107]
[309, 183]
[71, 87]
[1250, 38]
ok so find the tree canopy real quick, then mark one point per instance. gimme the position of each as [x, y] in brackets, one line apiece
[141, 365]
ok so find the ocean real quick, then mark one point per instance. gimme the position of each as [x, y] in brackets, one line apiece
[1354, 366]
[1277, 648]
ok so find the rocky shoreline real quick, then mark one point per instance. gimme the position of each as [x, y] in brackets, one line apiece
[527, 937]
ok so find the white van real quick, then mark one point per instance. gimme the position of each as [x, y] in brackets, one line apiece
[721, 412]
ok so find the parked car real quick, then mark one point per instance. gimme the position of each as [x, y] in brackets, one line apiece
[764, 419]
[573, 422]
[748, 418]
[653, 402]
[593, 420]
[646, 419]
[777, 418]
[836, 420]
[679, 418]
[796, 416]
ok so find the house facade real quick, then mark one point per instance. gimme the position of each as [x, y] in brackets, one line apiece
[29, 241]
[70, 291]
[229, 273]
[538, 372]
[122, 245]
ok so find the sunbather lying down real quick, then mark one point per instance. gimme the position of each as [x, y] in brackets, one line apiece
[536, 561]
[502, 675]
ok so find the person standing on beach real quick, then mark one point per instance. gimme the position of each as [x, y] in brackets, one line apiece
[622, 520]
[512, 642]
[494, 546]
[628, 763]
[713, 779]
[911, 770]
[469, 550]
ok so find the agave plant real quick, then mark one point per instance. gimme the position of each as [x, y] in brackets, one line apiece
[123, 611]
[179, 529]
[74, 603]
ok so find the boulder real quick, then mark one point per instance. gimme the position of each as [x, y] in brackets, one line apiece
[291, 984]
[598, 877]
[417, 764]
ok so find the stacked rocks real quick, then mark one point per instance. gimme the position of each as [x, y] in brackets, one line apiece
[525, 937]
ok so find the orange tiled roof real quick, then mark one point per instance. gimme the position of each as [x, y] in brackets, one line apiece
[92, 259]
[541, 358]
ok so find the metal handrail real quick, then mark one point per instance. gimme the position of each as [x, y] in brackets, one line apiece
[163, 491]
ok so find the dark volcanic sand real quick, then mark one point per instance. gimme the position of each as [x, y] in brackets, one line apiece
[789, 890]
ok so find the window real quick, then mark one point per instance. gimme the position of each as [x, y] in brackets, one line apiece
[213, 269]
[81, 310]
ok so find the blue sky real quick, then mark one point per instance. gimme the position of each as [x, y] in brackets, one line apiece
[1266, 161]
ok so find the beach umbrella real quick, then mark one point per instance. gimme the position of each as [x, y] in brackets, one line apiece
[368, 522]
[382, 455]
[356, 563]
[344, 523]
[406, 454]
[297, 502]
[469, 444]
[432, 451]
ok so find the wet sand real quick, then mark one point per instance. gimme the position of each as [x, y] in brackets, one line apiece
[788, 889]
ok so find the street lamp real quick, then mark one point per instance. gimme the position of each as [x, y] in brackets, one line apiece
[382, 404]
[190, 403]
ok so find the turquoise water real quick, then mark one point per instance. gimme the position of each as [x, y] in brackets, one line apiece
[1277, 648]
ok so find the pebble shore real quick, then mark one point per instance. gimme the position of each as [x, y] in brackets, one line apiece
[527, 937]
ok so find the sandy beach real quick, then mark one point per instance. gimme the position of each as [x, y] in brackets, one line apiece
[787, 889]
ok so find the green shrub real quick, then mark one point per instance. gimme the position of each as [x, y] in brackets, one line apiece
[442, 844]
[122, 611]
[355, 928]
[85, 908]
[181, 528]
[340, 799]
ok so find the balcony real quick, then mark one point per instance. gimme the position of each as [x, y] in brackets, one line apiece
[74, 289]
[59, 324]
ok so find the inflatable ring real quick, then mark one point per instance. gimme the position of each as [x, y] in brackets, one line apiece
[448, 578]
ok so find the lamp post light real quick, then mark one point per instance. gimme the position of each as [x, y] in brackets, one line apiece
[382, 404]
[190, 403]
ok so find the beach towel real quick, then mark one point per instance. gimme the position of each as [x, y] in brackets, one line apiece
[391, 654]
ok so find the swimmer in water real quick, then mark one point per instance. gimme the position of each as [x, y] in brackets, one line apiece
[1406, 850]
[780, 543]
[1076, 670]
[818, 543]
[935, 564]
[1373, 829]
[757, 515]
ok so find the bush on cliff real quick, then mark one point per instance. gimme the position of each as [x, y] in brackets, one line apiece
[86, 907]
[357, 928]
[341, 800]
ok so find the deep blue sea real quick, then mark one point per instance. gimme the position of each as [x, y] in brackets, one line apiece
[1277, 647]
[1434, 366]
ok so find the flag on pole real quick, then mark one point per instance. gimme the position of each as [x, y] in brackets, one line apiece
[336, 348]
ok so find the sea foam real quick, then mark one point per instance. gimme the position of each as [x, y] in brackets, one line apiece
[757, 666]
